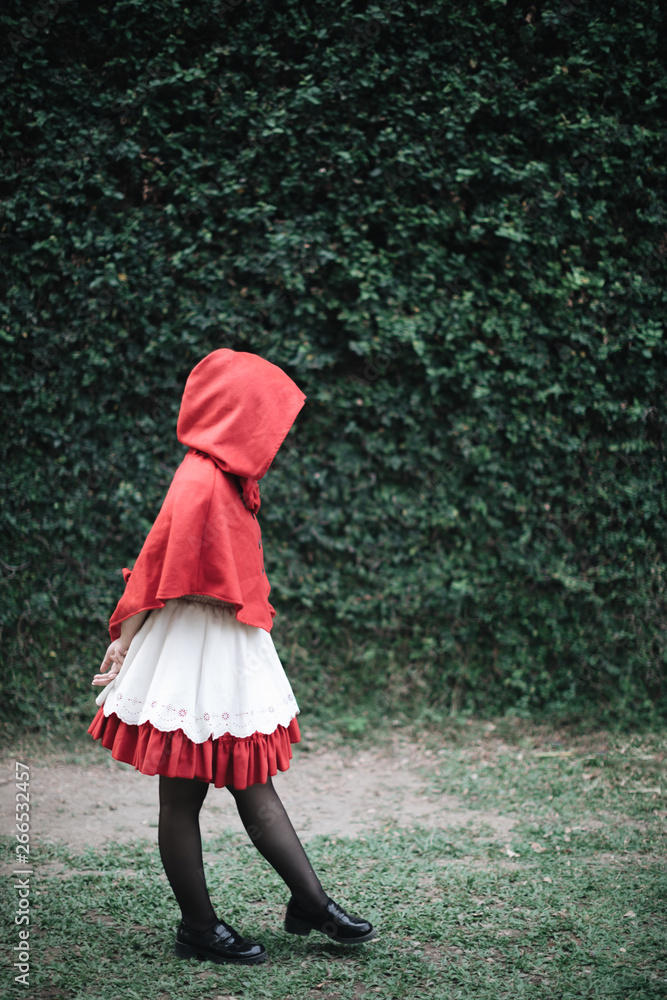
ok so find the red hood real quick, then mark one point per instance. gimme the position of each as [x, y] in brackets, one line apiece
[238, 408]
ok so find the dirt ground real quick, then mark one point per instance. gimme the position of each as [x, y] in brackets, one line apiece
[334, 791]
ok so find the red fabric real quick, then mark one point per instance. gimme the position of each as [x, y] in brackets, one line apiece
[227, 760]
[235, 413]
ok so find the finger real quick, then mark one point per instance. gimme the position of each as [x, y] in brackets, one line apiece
[113, 669]
[101, 679]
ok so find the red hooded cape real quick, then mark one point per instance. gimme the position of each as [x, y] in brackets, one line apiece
[236, 411]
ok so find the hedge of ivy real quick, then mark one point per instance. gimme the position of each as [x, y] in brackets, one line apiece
[447, 222]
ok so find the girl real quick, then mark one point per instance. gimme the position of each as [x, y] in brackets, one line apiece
[193, 687]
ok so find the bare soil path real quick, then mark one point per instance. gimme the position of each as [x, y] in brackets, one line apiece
[88, 799]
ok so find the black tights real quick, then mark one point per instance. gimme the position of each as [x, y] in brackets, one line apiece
[268, 826]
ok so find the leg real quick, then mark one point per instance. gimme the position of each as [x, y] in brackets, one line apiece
[269, 827]
[201, 935]
[179, 840]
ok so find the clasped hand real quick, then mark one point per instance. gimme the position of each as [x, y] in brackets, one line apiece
[113, 661]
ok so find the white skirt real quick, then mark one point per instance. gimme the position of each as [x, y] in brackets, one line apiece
[193, 666]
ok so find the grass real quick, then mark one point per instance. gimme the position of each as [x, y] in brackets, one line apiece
[570, 903]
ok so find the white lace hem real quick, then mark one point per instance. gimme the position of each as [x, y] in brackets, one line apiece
[193, 666]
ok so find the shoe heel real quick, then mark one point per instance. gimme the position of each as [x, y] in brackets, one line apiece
[295, 926]
[185, 951]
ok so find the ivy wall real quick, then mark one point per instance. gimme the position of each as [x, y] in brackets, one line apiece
[447, 222]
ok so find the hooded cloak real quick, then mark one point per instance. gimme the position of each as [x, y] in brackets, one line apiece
[235, 413]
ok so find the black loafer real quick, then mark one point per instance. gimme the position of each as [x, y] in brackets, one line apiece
[221, 944]
[331, 920]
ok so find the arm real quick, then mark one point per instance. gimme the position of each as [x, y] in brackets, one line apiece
[130, 627]
[115, 654]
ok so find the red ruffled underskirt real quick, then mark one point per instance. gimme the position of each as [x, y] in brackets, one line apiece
[227, 760]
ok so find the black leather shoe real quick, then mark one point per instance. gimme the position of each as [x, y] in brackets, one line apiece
[221, 944]
[331, 920]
